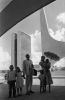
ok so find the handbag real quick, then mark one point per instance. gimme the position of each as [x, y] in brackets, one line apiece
[34, 72]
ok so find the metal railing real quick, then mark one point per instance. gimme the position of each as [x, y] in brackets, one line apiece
[54, 77]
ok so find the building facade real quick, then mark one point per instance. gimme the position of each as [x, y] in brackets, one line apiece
[21, 45]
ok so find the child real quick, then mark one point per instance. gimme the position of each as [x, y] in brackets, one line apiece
[42, 81]
[19, 81]
[11, 78]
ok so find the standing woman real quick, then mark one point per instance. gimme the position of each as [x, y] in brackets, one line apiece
[43, 65]
[49, 80]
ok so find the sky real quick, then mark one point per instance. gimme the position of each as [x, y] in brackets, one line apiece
[55, 18]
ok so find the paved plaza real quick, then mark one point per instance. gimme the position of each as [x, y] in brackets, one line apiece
[57, 93]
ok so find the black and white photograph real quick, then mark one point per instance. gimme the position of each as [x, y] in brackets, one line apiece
[32, 49]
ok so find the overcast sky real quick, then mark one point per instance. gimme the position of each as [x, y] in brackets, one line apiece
[55, 14]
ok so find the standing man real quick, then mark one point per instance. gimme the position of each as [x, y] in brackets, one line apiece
[28, 72]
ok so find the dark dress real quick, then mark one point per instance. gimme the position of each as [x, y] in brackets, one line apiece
[48, 74]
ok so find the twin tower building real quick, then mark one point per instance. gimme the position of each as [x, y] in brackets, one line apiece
[20, 46]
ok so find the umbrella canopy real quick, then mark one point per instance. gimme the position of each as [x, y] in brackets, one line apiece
[52, 56]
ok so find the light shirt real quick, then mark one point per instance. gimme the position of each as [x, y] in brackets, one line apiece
[11, 75]
[27, 67]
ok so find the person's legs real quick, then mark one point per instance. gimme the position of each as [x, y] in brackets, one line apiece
[43, 88]
[49, 88]
[10, 89]
[14, 89]
[40, 86]
[17, 91]
[30, 84]
[45, 84]
[21, 90]
[27, 85]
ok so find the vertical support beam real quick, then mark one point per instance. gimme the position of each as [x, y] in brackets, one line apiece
[15, 50]
[44, 31]
[12, 49]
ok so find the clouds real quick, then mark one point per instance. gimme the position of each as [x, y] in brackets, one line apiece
[61, 18]
[36, 57]
[4, 56]
[36, 46]
[60, 22]
[59, 33]
[5, 59]
[36, 41]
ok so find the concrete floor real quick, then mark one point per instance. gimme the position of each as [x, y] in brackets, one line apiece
[57, 93]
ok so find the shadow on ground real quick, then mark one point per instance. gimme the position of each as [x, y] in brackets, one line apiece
[57, 93]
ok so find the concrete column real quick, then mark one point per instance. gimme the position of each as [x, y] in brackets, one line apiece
[14, 49]
[44, 31]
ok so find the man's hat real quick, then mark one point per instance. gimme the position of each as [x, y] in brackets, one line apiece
[11, 67]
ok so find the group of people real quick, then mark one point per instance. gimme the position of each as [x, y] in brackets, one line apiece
[15, 81]
[15, 78]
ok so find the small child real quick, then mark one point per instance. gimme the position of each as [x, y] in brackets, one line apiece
[42, 81]
[11, 79]
[19, 81]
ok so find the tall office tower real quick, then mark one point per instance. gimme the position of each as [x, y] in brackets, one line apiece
[21, 45]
